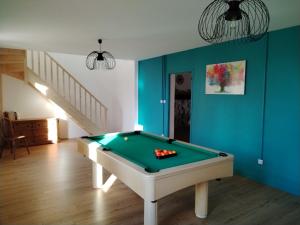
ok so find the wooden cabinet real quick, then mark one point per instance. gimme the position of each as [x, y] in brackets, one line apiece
[37, 131]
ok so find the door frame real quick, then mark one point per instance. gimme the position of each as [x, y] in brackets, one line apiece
[172, 105]
[172, 85]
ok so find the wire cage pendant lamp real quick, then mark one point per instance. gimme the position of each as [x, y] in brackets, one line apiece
[226, 20]
[100, 59]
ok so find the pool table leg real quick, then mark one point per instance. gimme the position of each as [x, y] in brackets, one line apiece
[201, 197]
[97, 175]
[150, 212]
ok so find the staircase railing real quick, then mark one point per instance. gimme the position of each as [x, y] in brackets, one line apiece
[68, 87]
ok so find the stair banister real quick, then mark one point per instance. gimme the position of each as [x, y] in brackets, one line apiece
[82, 98]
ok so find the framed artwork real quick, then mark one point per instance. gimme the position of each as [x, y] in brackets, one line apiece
[226, 78]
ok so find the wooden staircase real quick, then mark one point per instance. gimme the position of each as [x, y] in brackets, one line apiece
[42, 72]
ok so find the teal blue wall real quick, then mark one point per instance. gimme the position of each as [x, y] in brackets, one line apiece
[265, 122]
[149, 95]
[282, 114]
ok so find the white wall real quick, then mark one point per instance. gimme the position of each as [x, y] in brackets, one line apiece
[28, 103]
[116, 88]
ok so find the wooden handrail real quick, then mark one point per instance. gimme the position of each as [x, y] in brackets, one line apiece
[95, 117]
[52, 59]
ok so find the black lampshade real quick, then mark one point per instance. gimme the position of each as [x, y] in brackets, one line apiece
[225, 20]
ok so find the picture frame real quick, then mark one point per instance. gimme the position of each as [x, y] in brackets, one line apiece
[226, 78]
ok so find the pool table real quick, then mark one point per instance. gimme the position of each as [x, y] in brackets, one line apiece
[130, 157]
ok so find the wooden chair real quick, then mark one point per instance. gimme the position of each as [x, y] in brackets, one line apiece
[10, 138]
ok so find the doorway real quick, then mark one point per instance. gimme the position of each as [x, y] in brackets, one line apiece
[180, 106]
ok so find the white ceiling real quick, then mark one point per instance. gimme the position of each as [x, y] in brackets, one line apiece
[131, 29]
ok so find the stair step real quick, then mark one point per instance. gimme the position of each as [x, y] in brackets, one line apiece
[12, 58]
[11, 62]
[17, 75]
[14, 67]
[8, 51]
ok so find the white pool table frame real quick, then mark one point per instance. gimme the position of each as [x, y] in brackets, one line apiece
[153, 186]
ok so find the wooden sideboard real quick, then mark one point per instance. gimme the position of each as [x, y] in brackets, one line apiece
[37, 131]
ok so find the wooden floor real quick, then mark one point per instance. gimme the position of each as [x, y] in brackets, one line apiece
[53, 186]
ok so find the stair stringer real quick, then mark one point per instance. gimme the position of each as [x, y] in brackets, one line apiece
[31, 78]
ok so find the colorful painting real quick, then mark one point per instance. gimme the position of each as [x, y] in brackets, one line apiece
[226, 78]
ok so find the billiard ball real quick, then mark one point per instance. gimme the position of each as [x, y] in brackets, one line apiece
[125, 138]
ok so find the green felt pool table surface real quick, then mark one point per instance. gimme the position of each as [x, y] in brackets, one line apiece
[139, 147]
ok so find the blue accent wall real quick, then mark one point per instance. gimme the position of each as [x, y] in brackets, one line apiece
[282, 114]
[150, 110]
[265, 122]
